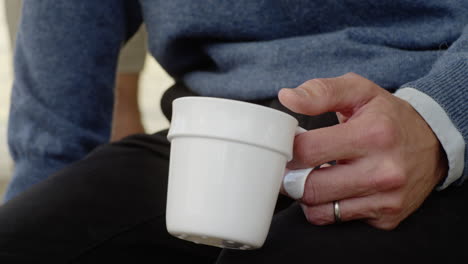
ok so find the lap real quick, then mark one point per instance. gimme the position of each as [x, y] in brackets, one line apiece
[111, 206]
[437, 231]
[108, 206]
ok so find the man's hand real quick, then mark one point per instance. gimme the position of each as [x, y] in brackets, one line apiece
[388, 159]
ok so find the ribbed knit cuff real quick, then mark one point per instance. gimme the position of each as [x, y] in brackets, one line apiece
[449, 89]
[448, 135]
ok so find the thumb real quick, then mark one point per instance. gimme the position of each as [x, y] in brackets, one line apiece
[345, 93]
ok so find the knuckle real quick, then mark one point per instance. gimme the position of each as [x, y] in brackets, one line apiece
[396, 179]
[390, 179]
[320, 87]
[385, 225]
[318, 217]
[367, 85]
[394, 207]
[353, 75]
[383, 133]
[310, 194]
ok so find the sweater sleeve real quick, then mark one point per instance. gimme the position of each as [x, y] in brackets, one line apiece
[447, 84]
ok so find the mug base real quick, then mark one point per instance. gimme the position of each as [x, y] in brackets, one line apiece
[214, 241]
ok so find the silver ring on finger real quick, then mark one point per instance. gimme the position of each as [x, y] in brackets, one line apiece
[337, 212]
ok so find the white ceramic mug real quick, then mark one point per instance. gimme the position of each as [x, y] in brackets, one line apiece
[226, 167]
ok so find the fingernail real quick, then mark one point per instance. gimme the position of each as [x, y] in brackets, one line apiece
[297, 91]
[300, 92]
[293, 182]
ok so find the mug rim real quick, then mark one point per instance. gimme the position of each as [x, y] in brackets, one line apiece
[239, 102]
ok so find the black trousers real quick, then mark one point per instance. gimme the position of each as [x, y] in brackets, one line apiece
[110, 208]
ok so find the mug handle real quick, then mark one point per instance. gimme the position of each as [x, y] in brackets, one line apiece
[294, 180]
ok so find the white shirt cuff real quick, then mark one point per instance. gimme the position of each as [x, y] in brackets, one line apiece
[449, 136]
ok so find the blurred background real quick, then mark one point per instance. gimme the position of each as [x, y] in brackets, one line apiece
[153, 81]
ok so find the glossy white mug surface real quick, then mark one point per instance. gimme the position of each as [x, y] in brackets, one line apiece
[227, 163]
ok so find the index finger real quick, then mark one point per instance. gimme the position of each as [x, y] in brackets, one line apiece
[338, 142]
[317, 96]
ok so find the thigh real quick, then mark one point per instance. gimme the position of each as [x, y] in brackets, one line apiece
[437, 232]
[108, 206]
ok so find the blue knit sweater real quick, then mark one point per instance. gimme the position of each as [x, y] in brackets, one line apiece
[66, 54]
[250, 49]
